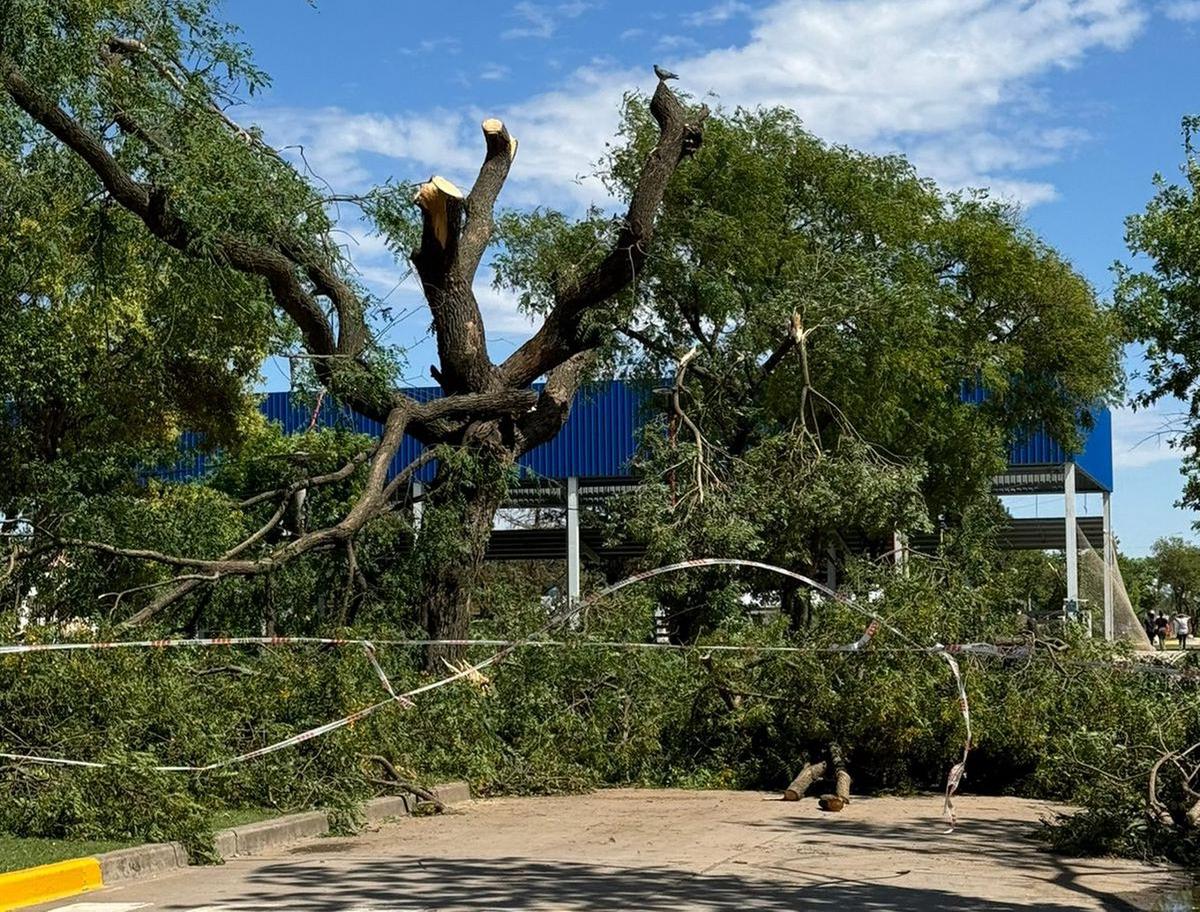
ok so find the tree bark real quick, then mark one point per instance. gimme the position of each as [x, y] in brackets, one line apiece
[803, 782]
[455, 529]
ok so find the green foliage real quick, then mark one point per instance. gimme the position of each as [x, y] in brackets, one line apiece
[575, 717]
[1176, 566]
[1159, 303]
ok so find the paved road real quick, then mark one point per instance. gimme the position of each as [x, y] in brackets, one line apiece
[664, 850]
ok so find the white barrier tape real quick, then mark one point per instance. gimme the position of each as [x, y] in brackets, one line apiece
[250, 755]
[739, 562]
[369, 649]
[20, 648]
[989, 649]
[956, 773]
[959, 771]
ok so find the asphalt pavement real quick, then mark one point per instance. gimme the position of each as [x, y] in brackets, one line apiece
[665, 850]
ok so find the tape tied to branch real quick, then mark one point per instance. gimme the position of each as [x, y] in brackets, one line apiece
[505, 648]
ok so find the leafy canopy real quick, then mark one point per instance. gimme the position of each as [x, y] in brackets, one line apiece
[1161, 303]
[837, 304]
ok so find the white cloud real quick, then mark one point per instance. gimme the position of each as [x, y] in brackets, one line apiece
[1142, 438]
[865, 69]
[448, 45]
[954, 83]
[1182, 10]
[986, 158]
[336, 143]
[542, 20]
[494, 71]
[677, 43]
[716, 14]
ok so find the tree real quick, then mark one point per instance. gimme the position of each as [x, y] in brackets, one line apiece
[137, 93]
[1177, 570]
[1160, 304]
[821, 310]
[108, 344]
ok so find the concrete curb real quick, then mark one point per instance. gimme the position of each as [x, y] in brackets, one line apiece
[253, 838]
[258, 837]
[69, 878]
[141, 861]
[47, 882]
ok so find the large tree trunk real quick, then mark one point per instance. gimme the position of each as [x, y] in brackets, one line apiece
[455, 527]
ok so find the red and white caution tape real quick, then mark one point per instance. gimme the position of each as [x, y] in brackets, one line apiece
[405, 699]
[959, 770]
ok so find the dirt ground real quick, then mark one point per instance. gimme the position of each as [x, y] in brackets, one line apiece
[672, 850]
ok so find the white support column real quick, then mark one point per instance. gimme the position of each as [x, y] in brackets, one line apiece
[1072, 543]
[418, 490]
[572, 541]
[900, 551]
[1110, 560]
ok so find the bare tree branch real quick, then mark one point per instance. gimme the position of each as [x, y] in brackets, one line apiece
[563, 334]
[501, 150]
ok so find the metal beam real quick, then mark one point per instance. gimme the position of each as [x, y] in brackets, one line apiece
[418, 492]
[572, 541]
[1072, 538]
[1109, 561]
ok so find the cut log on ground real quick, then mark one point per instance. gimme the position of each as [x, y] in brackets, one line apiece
[843, 786]
[831, 802]
[803, 782]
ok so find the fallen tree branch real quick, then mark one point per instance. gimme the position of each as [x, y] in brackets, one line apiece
[395, 780]
[226, 669]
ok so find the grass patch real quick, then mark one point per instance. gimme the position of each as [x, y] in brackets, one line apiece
[233, 817]
[18, 852]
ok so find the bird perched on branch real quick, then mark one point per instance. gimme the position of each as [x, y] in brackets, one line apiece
[664, 75]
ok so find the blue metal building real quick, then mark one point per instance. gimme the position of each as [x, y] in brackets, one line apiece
[600, 440]
[593, 454]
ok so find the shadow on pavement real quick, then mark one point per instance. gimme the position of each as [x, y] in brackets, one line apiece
[513, 883]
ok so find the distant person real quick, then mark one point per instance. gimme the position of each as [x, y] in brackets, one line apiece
[1148, 625]
[1181, 623]
[1160, 631]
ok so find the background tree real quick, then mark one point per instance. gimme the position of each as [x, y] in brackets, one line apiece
[821, 311]
[1160, 303]
[1177, 571]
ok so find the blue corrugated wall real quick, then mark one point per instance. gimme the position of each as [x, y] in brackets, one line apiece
[600, 437]
[1038, 448]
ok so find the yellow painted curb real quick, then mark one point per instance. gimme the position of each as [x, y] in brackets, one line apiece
[47, 882]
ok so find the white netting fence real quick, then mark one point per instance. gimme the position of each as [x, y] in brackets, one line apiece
[1126, 626]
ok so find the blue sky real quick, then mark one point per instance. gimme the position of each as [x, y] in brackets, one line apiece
[1068, 106]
